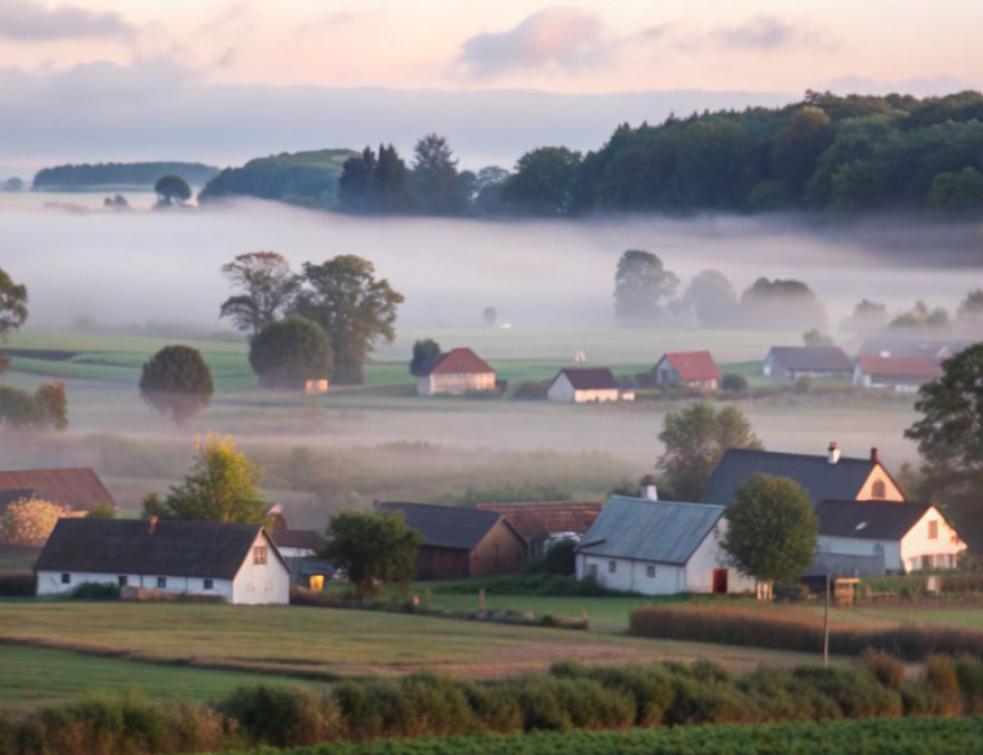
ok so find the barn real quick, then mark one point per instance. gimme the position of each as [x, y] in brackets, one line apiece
[460, 543]
[455, 372]
[77, 488]
[238, 563]
[794, 362]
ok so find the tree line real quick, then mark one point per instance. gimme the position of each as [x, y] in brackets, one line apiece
[137, 174]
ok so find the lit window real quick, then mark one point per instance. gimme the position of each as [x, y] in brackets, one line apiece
[66, 578]
[878, 489]
[612, 567]
[161, 582]
[259, 554]
[121, 579]
[933, 530]
[209, 584]
[650, 571]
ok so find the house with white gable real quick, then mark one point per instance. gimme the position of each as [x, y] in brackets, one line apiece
[657, 547]
[238, 563]
[584, 385]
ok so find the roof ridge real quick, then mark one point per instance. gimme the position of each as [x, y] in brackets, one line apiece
[797, 454]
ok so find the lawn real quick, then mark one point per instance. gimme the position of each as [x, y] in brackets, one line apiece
[34, 677]
[322, 643]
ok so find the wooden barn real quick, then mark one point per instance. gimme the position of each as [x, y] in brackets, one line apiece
[538, 521]
[460, 543]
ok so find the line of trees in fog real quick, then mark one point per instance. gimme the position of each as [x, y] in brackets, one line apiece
[83, 175]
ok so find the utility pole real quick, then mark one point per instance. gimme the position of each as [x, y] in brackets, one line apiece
[826, 626]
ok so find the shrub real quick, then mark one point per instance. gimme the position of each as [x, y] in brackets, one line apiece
[530, 390]
[857, 695]
[802, 385]
[969, 673]
[282, 716]
[95, 591]
[889, 671]
[734, 382]
[288, 353]
[942, 682]
[495, 707]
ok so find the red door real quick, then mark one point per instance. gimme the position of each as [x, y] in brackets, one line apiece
[720, 581]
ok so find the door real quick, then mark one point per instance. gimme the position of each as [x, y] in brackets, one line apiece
[720, 581]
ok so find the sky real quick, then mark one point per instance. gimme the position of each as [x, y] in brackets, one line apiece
[62, 59]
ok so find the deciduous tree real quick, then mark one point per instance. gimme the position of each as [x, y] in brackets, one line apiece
[29, 521]
[13, 309]
[176, 381]
[265, 285]
[170, 189]
[424, 352]
[543, 182]
[641, 287]
[287, 353]
[374, 549]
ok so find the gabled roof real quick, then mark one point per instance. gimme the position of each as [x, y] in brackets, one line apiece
[821, 480]
[911, 346]
[286, 538]
[445, 526]
[900, 368]
[456, 362]
[664, 532]
[589, 378]
[692, 365]
[132, 546]
[811, 358]
[77, 488]
[869, 520]
[532, 520]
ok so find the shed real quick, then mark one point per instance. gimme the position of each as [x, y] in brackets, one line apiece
[581, 385]
[902, 373]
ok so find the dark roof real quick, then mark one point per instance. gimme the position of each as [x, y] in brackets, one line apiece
[539, 518]
[660, 531]
[821, 480]
[812, 358]
[900, 368]
[445, 526]
[693, 365]
[870, 520]
[285, 538]
[78, 488]
[911, 346]
[589, 378]
[456, 362]
[127, 546]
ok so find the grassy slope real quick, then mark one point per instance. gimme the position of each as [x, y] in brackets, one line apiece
[33, 677]
[324, 642]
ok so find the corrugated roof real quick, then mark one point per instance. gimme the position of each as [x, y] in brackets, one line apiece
[900, 368]
[869, 520]
[664, 532]
[539, 518]
[78, 488]
[812, 358]
[693, 365]
[127, 546]
[589, 378]
[456, 362]
[821, 480]
[445, 526]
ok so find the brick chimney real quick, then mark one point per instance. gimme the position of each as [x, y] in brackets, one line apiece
[874, 455]
[152, 524]
[832, 453]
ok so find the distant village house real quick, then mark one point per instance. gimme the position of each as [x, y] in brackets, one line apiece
[793, 362]
[75, 488]
[903, 374]
[584, 385]
[456, 371]
[693, 369]
[543, 522]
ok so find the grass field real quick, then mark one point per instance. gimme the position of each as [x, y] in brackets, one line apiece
[33, 677]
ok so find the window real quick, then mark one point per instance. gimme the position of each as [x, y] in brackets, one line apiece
[592, 571]
[933, 530]
[259, 554]
[161, 582]
[650, 571]
[612, 567]
[121, 580]
[209, 584]
[878, 489]
[66, 578]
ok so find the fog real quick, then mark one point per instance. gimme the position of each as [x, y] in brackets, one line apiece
[139, 266]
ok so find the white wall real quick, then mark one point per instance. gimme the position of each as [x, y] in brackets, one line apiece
[709, 556]
[944, 549]
[857, 546]
[632, 575]
[455, 383]
[261, 583]
[49, 583]
[297, 552]
[891, 491]
[562, 390]
[665, 374]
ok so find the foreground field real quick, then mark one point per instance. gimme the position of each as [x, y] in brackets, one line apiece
[878, 737]
[326, 643]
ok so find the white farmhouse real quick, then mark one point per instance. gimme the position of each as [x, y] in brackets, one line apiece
[456, 371]
[899, 536]
[238, 563]
[659, 548]
[581, 385]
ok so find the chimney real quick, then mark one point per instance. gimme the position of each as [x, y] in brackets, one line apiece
[650, 492]
[152, 523]
[874, 455]
[833, 453]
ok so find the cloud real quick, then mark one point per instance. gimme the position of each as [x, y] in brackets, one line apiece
[560, 37]
[29, 20]
[759, 33]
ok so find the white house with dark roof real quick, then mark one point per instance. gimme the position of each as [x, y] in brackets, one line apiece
[583, 385]
[659, 548]
[899, 537]
[238, 563]
[794, 362]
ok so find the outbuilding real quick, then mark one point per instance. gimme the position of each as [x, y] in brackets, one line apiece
[238, 563]
[456, 371]
[78, 488]
[693, 369]
[794, 362]
[582, 385]
[659, 548]
[903, 374]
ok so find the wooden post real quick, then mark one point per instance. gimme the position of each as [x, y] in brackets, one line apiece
[481, 599]
[826, 626]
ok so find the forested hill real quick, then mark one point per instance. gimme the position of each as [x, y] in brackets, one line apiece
[94, 175]
[309, 178]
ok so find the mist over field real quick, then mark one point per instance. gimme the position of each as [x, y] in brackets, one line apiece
[135, 267]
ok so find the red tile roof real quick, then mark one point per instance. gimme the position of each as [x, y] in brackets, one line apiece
[78, 488]
[542, 517]
[927, 368]
[456, 362]
[693, 365]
